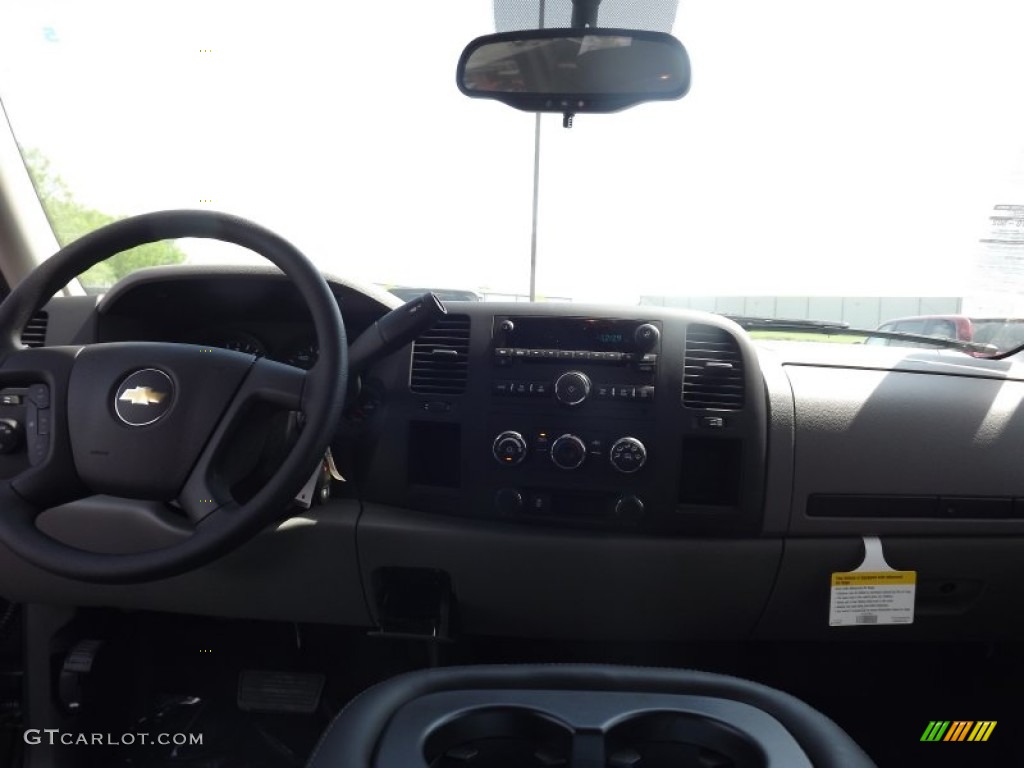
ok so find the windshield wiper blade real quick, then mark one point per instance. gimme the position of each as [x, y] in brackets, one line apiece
[783, 324]
[839, 328]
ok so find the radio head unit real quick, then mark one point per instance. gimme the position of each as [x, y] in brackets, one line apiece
[576, 333]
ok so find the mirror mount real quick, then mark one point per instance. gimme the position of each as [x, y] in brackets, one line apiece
[584, 13]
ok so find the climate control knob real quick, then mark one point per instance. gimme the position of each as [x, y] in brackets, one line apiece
[629, 508]
[568, 452]
[509, 448]
[627, 454]
[572, 388]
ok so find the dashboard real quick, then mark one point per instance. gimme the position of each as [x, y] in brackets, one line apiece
[245, 310]
[573, 470]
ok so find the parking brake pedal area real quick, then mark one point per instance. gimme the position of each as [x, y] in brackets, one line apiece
[282, 692]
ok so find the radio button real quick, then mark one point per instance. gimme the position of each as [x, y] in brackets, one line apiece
[502, 387]
[539, 388]
[538, 504]
[502, 352]
[645, 393]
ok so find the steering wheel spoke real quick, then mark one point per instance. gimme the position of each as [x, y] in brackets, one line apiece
[267, 382]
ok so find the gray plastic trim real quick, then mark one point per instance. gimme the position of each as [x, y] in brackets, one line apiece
[518, 581]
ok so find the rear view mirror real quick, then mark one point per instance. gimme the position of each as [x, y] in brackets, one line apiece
[575, 70]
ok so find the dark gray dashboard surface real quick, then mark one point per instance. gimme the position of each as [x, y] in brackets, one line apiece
[822, 421]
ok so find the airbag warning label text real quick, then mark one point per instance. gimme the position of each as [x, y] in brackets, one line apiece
[861, 598]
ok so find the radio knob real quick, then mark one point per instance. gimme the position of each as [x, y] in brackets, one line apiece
[646, 337]
[568, 452]
[572, 388]
[627, 454]
[509, 448]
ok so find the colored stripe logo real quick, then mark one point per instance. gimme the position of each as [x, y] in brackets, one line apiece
[958, 730]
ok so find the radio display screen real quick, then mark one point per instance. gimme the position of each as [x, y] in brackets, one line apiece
[572, 333]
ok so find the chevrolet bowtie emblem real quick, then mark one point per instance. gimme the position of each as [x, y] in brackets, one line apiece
[142, 396]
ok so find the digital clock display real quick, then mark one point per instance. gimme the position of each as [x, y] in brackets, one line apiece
[610, 337]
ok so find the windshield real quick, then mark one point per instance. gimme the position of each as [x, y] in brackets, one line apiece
[855, 162]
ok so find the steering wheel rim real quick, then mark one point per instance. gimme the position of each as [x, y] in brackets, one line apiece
[79, 458]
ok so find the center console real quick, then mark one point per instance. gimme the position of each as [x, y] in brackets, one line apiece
[572, 410]
[581, 716]
[570, 416]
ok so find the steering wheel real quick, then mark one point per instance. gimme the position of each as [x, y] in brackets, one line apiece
[152, 421]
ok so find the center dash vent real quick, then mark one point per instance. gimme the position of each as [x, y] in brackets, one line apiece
[34, 332]
[440, 358]
[712, 369]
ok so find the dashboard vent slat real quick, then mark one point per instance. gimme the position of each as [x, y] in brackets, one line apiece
[440, 358]
[34, 332]
[712, 369]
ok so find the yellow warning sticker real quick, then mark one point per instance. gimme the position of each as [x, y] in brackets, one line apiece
[872, 598]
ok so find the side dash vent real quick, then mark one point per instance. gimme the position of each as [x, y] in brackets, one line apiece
[34, 332]
[440, 358]
[712, 369]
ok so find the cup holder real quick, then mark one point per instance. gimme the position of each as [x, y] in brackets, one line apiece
[499, 737]
[679, 740]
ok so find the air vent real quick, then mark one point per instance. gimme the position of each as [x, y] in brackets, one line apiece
[440, 358]
[712, 369]
[34, 333]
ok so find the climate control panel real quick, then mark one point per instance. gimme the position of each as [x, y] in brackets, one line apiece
[569, 452]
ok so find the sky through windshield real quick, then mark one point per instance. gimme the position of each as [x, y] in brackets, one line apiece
[824, 149]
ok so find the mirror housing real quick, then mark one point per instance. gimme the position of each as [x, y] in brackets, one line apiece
[575, 70]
